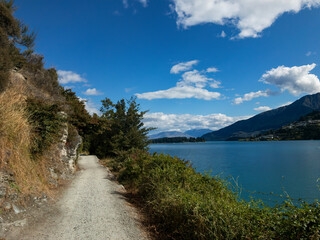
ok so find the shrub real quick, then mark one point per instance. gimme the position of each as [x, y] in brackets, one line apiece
[46, 122]
[185, 204]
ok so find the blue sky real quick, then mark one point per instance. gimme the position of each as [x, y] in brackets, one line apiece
[192, 63]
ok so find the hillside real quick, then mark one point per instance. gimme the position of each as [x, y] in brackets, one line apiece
[307, 128]
[197, 132]
[268, 120]
[193, 133]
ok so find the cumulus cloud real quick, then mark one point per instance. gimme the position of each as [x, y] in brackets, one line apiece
[92, 92]
[249, 96]
[65, 77]
[191, 85]
[180, 92]
[183, 66]
[184, 122]
[295, 80]
[90, 106]
[262, 109]
[212, 70]
[251, 17]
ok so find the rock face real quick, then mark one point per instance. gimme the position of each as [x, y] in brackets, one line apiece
[69, 146]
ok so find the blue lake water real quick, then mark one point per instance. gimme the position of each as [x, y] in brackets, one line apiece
[290, 166]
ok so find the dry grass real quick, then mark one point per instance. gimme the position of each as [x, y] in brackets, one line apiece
[15, 141]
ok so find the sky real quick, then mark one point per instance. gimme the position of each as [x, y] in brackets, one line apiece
[192, 63]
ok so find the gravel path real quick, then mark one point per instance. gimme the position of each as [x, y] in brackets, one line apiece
[92, 208]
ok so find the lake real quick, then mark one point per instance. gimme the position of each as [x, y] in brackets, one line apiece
[278, 167]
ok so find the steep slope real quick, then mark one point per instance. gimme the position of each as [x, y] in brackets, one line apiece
[272, 119]
[197, 132]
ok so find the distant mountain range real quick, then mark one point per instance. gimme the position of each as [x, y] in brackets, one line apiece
[268, 120]
[171, 134]
[197, 132]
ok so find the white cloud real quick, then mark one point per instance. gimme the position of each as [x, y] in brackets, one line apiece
[285, 104]
[251, 17]
[262, 109]
[197, 78]
[90, 106]
[249, 96]
[183, 66]
[184, 122]
[222, 34]
[92, 92]
[310, 53]
[191, 85]
[295, 80]
[180, 92]
[65, 77]
[144, 2]
[127, 90]
[212, 70]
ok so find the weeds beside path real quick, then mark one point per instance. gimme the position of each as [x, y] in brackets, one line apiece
[92, 208]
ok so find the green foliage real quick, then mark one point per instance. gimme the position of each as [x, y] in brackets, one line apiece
[13, 34]
[86, 125]
[121, 128]
[184, 204]
[9, 28]
[47, 122]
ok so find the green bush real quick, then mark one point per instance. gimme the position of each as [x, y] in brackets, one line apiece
[184, 204]
[47, 122]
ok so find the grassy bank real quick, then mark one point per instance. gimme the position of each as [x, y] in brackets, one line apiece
[15, 142]
[184, 204]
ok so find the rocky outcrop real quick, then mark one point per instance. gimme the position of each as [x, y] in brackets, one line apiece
[69, 145]
[60, 163]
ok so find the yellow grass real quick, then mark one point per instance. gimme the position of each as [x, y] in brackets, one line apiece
[15, 140]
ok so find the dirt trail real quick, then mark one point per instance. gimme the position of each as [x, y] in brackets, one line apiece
[92, 208]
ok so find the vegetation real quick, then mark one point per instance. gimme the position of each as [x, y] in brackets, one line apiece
[176, 140]
[307, 128]
[120, 128]
[184, 204]
[47, 121]
[16, 140]
[31, 107]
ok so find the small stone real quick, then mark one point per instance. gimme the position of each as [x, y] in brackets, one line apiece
[7, 206]
[16, 209]
[20, 223]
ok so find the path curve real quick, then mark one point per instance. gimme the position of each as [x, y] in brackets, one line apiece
[92, 208]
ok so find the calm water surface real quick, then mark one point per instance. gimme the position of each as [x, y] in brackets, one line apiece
[291, 166]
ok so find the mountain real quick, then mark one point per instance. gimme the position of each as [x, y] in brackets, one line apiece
[197, 132]
[169, 134]
[268, 120]
[307, 128]
[190, 133]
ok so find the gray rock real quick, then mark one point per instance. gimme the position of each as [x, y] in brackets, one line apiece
[17, 209]
[7, 206]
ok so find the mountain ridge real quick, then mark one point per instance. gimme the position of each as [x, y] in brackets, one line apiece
[268, 120]
[189, 133]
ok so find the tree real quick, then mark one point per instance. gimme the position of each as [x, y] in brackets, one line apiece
[13, 34]
[126, 130]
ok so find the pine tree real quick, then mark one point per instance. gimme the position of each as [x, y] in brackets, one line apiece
[126, 130]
